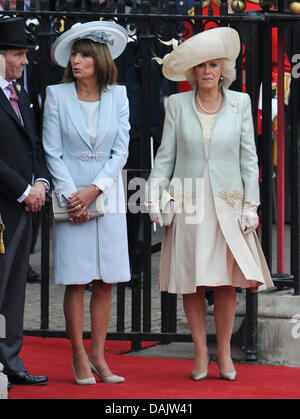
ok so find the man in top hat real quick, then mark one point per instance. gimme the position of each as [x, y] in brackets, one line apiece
[23, 184]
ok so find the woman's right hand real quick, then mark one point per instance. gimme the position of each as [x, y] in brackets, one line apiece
[153, 209]
[81, 200]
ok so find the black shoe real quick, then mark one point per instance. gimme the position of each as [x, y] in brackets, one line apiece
[32, 276]
[25, 379]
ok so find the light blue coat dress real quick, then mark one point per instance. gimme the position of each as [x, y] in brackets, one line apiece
[74, 163]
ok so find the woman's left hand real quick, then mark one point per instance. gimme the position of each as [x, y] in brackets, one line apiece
[82, 199]
[81, 217]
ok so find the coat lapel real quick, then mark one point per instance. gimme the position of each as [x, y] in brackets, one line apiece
[23, 106]
[4, 102]
[105, 112]
[25, 113]
[218, 125]
[75, 113]
[77, 118]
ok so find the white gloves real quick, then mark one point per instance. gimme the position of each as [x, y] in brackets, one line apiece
[162, 212]
[168, 213]
[249, 219]
[154, 211]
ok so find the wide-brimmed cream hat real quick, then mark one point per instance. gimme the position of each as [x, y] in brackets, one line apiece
[217, 43]
[109, 33]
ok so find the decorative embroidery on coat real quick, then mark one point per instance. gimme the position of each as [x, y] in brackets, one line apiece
[87, 155]
[60, 187]
[232, 198]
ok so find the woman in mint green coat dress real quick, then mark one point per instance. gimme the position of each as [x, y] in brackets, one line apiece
[207, 163]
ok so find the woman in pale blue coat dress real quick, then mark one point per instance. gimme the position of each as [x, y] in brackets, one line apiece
[85, 137]
[208, 135]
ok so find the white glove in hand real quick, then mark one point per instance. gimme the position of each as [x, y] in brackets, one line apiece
[249, 219]
[155, 213]
[168, 213]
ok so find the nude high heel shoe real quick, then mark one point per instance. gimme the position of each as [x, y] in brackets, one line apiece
[201, 375]
[229, 376]
[113, 379]
[83, 381]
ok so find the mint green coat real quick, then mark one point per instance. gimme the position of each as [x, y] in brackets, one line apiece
[233, 171]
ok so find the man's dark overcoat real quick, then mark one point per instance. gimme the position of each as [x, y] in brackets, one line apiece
[21, 157]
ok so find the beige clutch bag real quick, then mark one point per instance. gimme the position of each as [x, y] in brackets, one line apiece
[61, 213]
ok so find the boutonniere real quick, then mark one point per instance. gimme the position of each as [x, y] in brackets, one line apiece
[234, 106]
[18, 87]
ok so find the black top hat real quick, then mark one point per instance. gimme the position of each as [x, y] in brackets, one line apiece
[13, 34]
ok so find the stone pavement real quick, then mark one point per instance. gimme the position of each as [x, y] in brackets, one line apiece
[279, 343]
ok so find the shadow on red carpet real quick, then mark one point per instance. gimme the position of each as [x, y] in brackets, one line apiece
[148, 378]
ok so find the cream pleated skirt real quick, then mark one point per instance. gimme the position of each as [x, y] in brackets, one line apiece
[195, 255]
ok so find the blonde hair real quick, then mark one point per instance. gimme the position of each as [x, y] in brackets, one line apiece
[105, 68]
[228, 73]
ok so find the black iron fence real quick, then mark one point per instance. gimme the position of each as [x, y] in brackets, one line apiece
[147, 22]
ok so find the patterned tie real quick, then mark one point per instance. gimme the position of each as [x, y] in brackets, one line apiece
[14, 99]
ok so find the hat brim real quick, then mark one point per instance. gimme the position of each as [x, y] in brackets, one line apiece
[62, 47]
[212, 44]
[29, 45]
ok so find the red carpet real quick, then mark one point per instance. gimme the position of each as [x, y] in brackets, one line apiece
[148, 378]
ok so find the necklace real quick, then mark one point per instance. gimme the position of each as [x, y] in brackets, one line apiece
[206, 110]
[86, 94]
